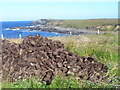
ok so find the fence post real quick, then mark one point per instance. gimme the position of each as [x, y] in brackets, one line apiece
[20, 36]
[2, 36]
[98, 32]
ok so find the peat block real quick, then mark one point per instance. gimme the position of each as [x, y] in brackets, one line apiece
[41, 57]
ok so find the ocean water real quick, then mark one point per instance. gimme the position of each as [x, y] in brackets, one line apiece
[24, 32]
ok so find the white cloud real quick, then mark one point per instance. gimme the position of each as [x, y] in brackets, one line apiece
[59, 0]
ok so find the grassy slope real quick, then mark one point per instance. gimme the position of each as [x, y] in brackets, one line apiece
[84, 23]
[103, 47]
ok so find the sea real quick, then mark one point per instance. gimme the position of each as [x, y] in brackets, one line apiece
[4, 25]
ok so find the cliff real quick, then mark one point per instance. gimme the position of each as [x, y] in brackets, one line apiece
[44, 21]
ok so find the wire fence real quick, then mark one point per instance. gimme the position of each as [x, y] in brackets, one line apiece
[5, 36]
[23, 35]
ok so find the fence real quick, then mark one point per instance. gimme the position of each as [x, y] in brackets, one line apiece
[19, 36]
[70, 33]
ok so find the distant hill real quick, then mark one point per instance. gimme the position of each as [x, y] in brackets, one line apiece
[84, 23]
[102, 24]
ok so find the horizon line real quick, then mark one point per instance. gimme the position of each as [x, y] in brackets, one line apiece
[60, 19]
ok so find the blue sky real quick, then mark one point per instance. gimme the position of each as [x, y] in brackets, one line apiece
[26, 11]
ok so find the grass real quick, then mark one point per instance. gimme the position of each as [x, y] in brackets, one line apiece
[16, 40]
[0, 85]
[103, 47]
[83, 23]
[58, 82]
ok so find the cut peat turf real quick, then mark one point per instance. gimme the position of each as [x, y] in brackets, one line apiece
[42, 57]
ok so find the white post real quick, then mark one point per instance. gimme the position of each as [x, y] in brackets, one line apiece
[20, 36]
[98, 32]
[70, 33]
[2, 36]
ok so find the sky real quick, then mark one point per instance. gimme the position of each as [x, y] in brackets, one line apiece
[27, 10]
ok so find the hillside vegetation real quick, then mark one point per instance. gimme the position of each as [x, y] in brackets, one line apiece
[82, 24]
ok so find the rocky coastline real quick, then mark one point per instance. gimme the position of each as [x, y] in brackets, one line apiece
[70, 31]
[42, 25]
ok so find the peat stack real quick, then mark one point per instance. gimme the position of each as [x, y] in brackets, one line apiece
[42, 57]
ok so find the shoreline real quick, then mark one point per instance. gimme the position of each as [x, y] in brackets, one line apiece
[70, 31]
[57, 26]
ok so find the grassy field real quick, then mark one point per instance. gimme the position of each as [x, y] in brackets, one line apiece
[83, 23]
[103, 47]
